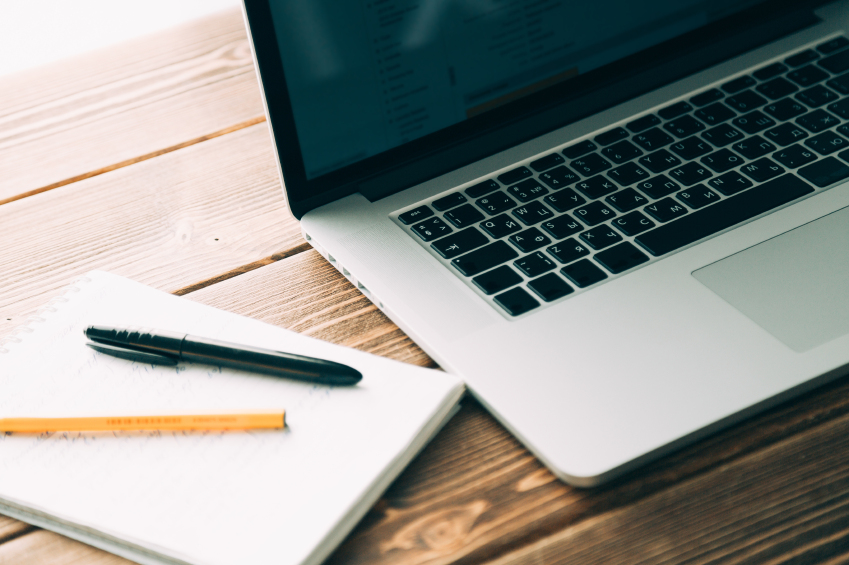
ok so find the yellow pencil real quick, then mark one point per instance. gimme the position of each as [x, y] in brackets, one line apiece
[248, 421]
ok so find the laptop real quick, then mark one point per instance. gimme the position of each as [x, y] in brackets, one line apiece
[624, 224]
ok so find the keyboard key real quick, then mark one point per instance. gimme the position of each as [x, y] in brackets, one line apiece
[723, 214]
[722, 160]
[449, 201]
[629, 173]
[564, 200]
[785, 134]
[620, 258]
[832, 45]
[532, 213]
[611, 136]
[817, 121]
[529, 240]
[500, 225]
[559, 177]
[836, 63]
[590, 164]
[621, 152]
[632, 224]
[840, 84]
[534, 264]
[840, 109]
[684, 126]
[527, 190]
[753, 147]
[514, 176]
[730, 183]
[801, 58]
[817, 96]
[482, 188]
[594, 213]
[583, 273]
[601, 237]
[706, 97]
[561, 226]
[659, 161]
[806, 76]
[738, 84]
[691, 148]
[658, 187]
[826, 143]
[753, 122]
[495, 203]
[777, 88]
[769, 71]
[697, 196]
[643, 123]
[665, 210]
[675, 110]
[844, 129]
[568, 250]
[715, 113]
[459, 243]
[722, 135]
[690, 173]
[516, 301]
[785, 109]
[596, 187]
[582, 148]
[652, 139]
[463, 216]
[794, 156]
[825, 172]
[745, 101]
[547, 162]
[432, 228]
[761, 170]
[497, 280]
[415, 215]
[626, 200]
[484, 258]
[550, 287]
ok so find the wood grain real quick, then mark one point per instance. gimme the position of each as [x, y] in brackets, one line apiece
[47, 548]
[169, 222]
[90, 113]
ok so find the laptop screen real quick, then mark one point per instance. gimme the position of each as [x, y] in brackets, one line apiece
[367, 76]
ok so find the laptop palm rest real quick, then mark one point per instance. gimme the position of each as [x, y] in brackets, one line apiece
[795, 285]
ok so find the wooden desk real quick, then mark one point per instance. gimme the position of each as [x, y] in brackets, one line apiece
[153, 161]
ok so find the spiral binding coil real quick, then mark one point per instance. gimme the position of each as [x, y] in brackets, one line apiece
[39, 315]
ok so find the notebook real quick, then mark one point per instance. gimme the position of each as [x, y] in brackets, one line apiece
[282, 496]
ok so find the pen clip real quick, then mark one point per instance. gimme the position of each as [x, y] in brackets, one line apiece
[126, 352]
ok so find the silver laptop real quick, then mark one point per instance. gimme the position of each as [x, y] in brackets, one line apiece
[624, 224]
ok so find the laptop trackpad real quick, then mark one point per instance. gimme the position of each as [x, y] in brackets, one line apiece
[795, 285]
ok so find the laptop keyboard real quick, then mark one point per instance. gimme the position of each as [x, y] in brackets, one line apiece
[600, 207]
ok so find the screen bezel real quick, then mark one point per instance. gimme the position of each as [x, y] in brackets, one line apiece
[506, 126]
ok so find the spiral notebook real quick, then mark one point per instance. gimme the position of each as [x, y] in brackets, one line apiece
[284, 497]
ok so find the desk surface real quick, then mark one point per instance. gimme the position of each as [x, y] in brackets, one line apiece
[153, 160]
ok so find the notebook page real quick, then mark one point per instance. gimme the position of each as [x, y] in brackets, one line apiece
[232, 497]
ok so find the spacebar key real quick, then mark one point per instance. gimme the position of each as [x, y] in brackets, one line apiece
[723, 214]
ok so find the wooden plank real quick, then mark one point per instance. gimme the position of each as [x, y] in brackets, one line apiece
[169, 222]
[11, 528]
[43, 547]
[788, 503]
[88, 114]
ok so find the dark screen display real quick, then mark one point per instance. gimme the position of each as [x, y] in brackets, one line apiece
[366, 76]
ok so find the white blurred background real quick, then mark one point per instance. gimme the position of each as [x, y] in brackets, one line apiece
[35, 32]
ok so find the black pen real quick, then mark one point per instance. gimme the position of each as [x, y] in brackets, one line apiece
[167, 348]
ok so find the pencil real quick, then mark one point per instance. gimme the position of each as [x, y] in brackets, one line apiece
[247, 421]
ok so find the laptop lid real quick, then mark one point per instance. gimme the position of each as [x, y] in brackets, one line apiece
[376, 96]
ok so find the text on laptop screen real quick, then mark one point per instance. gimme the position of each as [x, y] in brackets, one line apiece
[365, 76]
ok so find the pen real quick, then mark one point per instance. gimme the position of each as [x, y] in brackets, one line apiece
[248, 421]
[167, 348]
